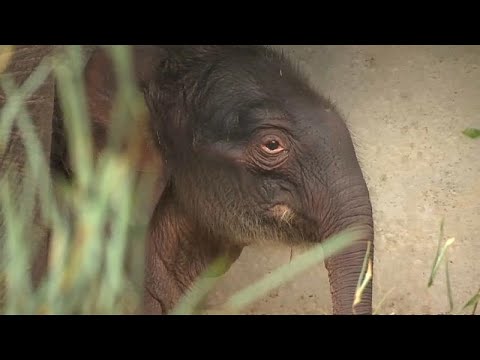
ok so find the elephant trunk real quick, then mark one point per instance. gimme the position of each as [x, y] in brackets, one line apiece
[352, 210]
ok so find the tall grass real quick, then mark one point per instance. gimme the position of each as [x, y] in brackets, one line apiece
[441, 258]
[95, 263]
[89, 218]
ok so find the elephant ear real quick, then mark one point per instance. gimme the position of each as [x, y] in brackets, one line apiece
[141, 145]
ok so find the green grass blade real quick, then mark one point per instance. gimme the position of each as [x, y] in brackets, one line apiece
[437, 254]
[15, 102]
[116, 174]
[365, 276]
[72, 96]
[472, 133]
[473, 302]
[449, 285]
[18, 287]
[382, 301]
[290, 270]
[36, 160]
[439, 259]
[190, 303]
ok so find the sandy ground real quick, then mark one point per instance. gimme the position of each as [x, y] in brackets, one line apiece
[407, 106]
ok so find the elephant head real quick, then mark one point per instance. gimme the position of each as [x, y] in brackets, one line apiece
[246, 151]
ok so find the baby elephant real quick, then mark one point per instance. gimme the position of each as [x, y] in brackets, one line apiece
[245, 151]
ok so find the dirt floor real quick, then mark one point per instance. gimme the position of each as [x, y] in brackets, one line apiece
[407, 106]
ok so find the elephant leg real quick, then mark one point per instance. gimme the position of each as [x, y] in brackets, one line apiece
[14, 158]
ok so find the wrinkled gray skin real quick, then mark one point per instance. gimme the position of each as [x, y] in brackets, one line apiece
[223, 189]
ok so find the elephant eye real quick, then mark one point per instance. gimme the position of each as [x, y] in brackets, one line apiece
[272, 145]
[270, 149]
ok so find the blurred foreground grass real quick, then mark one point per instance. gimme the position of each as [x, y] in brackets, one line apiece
[93, 242]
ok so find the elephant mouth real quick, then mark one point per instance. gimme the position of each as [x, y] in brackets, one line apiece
[299, 226]
[282, 213]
